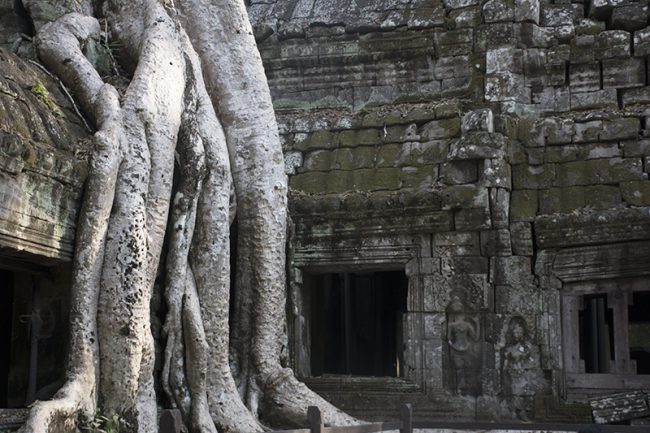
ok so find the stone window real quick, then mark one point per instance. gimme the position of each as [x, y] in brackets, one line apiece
[6, 302]
[355, 322]
[33, 331]
[606, 333]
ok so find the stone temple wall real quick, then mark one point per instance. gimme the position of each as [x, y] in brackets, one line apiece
[497, 151]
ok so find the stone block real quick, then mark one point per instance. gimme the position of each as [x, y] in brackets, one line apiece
[459, 172]
[599, 171]
[444, 128]
[522, 238]
[605, 98]
[495, 35]
[527, 10]
[517, 154]
[452, 67]
[398, 134]
[636, 96]
[633, 148]
[469, 17]
[478, 120]
[464, 196]
[292, 161]
[500, 207]
[599, 150]
[496, 243]
[569, 199]
[564, 153]
[322, 139]
[541, 74]
[535, 156]
[533, 36]
[457, 243]
[429, 265]
[584, 77]
[519, 298]
[526, 176]
[469, 265]
[418, 177]
[629, 17]
[583, 49]
[497, 173]
[457, 4]
[602, 9]
[472, 219]
[586, 132]
[310, 183]
[506, 86]
[558, 131]
[556, 15]
[352, 138]
[392, 155]
[504, 59]
[426, 153]
[523, 205]
[623, 73]
[586, 26]
[513, 270]
[620, 129]
[642, 42]
[453, 37]
[371, 179]
[498, 11]
[353, 158]
[613, 44]
[636, 192]
[478, 145]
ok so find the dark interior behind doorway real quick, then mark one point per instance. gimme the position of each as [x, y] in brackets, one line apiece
[356, 323]
[6, 306]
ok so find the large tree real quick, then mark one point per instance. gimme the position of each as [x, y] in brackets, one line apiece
[193, 130]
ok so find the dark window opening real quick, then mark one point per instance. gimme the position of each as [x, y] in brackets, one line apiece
[356, 323]
[596, 334]
[639, 331]
[33, 332]
[6, 306]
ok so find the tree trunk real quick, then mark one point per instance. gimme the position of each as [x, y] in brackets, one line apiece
[166, 120]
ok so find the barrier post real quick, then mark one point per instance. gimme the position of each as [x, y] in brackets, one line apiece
[407, 419]
[315, 418]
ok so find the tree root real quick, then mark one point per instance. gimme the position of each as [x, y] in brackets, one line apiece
[131, 203]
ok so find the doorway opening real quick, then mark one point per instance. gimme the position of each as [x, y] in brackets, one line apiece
[6, 312]
[639, 331]
[356, 323]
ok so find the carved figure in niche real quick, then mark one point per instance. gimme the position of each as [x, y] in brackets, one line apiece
[520, 373]
[463, 338]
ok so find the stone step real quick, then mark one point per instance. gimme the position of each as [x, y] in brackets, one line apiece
[381, 399]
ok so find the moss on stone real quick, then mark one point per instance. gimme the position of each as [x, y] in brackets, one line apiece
[523, 205]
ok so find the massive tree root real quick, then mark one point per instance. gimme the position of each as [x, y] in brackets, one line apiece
[215, 136]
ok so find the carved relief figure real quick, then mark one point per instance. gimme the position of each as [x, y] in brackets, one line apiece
[463, 338]
[520, 374]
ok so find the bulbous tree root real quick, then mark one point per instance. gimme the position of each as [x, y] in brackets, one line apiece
[167, 120]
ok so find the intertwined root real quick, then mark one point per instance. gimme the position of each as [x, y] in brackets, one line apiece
[166, 121]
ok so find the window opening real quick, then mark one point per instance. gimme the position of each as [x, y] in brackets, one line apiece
[639, 331]
[6, 314]
[596, 334]
[356, 323]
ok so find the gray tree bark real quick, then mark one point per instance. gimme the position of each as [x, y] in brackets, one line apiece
[199, 104]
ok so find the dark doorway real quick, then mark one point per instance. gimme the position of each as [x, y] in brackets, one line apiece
[639, 331]
[596, 334]
[356, 322]
[6, 311]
